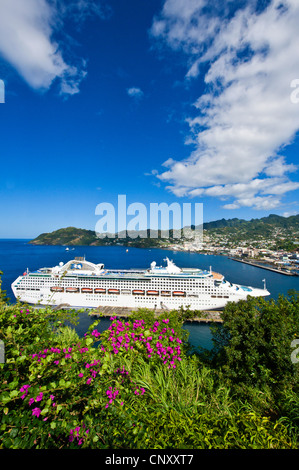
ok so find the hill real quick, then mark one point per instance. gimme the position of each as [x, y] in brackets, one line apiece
[273, 227]
[73, 236]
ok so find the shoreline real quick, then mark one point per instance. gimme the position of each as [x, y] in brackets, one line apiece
[269, 268]
[209, 316]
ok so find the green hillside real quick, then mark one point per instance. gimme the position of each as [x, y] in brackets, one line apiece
[273, 227]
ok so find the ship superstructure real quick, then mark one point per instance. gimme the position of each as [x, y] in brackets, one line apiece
[80, 283]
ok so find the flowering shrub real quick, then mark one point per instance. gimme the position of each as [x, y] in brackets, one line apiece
[158, 343]
[54, 390]
[131, 386]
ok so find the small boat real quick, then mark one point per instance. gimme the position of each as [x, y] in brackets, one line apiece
[126, 291]
[72, 290]
[113, 291]
[87, 290]
[152, 292]
[179, 293]
[165, 293]
[99, 290]
[57, 289]
[138, 292]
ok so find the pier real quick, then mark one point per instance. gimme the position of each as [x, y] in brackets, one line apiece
[269, 268]
[207, 316]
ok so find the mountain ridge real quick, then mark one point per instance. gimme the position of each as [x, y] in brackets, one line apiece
[76, 236]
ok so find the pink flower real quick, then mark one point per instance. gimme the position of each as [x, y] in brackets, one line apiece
[36, 412]
[39, 397]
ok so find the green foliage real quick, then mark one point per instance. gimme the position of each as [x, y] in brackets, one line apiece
[254, 342]
[134, 386]
[3, 298]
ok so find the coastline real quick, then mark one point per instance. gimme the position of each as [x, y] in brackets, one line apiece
[269, 268]
[208, 316]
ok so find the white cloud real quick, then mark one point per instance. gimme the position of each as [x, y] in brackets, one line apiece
[135, 92]
[245, 116]
[289, 214]
[80, 10]
[27, 31]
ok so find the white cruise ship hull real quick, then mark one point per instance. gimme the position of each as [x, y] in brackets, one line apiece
[86, 285]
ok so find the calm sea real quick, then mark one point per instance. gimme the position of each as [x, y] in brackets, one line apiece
[17, 255]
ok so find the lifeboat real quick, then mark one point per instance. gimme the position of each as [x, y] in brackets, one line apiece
[126, 291]
[152, 292]
[165, 293]
[138, 292]
[57, 289]
[113, 291]
[72, 290]
[99, 290]
[179, 293]
[87, 290]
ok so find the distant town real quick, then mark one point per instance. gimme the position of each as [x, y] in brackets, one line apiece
[279, 249]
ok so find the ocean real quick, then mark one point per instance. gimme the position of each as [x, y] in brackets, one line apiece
[17, 255]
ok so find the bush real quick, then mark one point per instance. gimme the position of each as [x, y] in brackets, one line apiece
[132, 386]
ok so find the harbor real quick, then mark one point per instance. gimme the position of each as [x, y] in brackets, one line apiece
[124, 312]
[268, 268]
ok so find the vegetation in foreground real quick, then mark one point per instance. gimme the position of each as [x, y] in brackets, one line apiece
[138, 386]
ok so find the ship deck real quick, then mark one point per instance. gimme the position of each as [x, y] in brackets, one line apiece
[130, 274]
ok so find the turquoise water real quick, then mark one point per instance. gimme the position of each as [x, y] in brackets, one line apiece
[17, 255]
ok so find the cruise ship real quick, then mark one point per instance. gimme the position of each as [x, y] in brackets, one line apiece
[83, 284]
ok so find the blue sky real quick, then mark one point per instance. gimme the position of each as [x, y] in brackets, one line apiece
[163, 101]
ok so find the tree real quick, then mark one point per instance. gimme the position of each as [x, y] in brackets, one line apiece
[3, 296]
[253, 346]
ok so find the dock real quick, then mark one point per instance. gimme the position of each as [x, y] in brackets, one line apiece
[207, 316]
[268, 268]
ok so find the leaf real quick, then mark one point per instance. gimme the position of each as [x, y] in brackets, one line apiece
[89, 341]
[5, 399]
